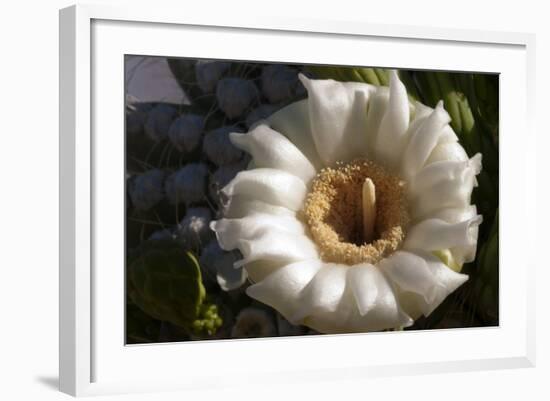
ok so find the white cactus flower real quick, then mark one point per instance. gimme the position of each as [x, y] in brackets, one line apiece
[235, 96]
[253, 322]
[146, 190]
[279, 83]
[209, 72]
[188, 184]
[220, 264]
[185, 132]
[351, 194]
[159, 121]
[218, 147]
[194, 230]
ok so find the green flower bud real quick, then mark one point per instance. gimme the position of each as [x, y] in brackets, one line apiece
[373, 76]
[208, 321]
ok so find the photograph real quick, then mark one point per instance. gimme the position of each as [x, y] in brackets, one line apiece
[279, 201]
[271, 199]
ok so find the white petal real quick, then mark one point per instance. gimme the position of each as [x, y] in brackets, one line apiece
[258, 270]
[424, 140]
[376, 301]
[365, 281]
[230, 231]
[447, 151]
[293, 122]
[455, 215]
[435, 234]
[421, 111]
[392, 138]
[272, 150]
[276, 246]
[411, 273]
[323, 293]
[338, 312]
[376, 109]
[269, 185]
[453, 191]
[424, 277]
[338, 112]
[241, 206]
[435, 173]
[447, 135]
[282, 288]
[344, 319]
[462, 254]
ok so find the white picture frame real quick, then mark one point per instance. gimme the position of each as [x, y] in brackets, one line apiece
[93, 358]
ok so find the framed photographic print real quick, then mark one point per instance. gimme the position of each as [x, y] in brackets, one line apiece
[303, 200]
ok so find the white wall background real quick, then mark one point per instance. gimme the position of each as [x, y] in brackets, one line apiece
[29, 197]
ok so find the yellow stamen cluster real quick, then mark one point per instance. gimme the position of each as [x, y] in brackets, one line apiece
[334, 211]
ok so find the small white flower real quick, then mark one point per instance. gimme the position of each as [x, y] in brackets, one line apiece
[253, 322]
[220, 264]
[146, 189]
[209, 72]
[194, 229]
[350, 195]
[188, 184]
[235, 96]
[279, 83]
[159, 120]
[185, 132]
[218, 147]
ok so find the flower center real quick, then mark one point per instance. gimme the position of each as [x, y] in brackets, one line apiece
[356, 212]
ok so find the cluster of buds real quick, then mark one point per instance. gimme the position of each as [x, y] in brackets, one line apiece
[179, 157]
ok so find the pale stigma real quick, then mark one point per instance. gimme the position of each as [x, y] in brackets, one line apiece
[369, 210]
